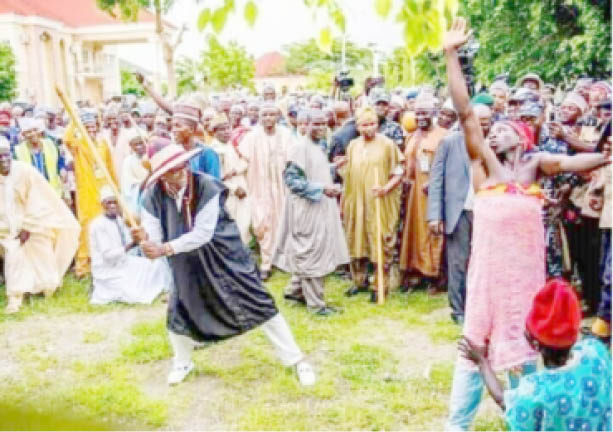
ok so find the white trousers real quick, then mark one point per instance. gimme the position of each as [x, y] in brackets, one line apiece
[276, 329]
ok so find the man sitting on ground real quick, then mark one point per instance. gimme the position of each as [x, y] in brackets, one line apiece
[117, 276]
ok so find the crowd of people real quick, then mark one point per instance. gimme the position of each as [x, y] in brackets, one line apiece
[502, 198]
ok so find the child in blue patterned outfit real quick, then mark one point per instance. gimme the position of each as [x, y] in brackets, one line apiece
[573, 391]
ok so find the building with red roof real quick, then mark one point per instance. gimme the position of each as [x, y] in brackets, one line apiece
[270, 69]
[70, 43]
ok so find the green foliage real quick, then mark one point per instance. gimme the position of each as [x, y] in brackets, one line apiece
[8, 80]
[128, 9]
[227, 66]
[218, 67]
[251, 12]
[401, 69]
[129, 85]
[557, 39]
[304, 56]
[189, 75]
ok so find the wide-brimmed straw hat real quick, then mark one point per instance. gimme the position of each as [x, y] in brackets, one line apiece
[167, 158]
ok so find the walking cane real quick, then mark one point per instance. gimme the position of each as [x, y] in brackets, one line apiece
[77, 121]
[380, 287]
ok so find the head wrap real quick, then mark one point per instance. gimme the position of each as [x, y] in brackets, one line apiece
[483, 98]
[524, 131]
[379, 95]
[40, 113]
[365, 114]
[603, 87]
[112, 111]
[238, 107]
[89, 116]
[576, 99]
[131, 134]
[218, 120]
[499, 85]
[106, 193]
[448, 105]
[555, 317]
[397, 100]
[30, 123]
[531, 109]
[425, 101]
[148, 109]
[531, 77]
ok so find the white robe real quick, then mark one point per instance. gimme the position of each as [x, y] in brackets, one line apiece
[28, 202]
[118, 276]
[239, 209]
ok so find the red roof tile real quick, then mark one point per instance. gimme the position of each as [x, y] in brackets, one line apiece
[269, 64]
[74, 13]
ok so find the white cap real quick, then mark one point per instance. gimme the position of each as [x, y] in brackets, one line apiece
[106, 193]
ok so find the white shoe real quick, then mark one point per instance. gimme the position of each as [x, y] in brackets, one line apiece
[306, 374]
[178, 373]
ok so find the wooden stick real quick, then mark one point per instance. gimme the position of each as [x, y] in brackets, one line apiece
[77, 121]
[380, 286]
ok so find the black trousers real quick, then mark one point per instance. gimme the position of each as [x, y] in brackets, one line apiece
[458, 252]
[584, 242]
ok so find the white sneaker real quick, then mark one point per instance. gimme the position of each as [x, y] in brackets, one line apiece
[306, 374]
[179, 372]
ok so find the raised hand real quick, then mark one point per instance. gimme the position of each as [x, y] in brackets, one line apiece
[457, 35]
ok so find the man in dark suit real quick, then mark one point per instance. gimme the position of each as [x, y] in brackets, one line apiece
[450, 196]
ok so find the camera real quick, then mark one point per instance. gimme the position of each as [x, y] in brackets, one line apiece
[466, 55]
[344, 81]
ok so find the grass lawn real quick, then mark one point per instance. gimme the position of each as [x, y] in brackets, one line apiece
[69, 365]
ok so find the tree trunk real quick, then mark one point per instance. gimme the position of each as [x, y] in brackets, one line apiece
[167, 51]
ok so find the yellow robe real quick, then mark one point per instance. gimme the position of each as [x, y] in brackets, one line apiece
[359, 216]
[89, 180]
[421, 250]
[28, 202]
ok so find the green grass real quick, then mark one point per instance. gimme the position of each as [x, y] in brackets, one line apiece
[71, 298]
[379, 368]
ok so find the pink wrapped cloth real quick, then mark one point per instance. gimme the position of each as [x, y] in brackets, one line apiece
[506, 269]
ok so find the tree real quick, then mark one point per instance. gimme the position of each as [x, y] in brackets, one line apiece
[424, 20]
[189, 75]
[402, 70]
[129, 85]
[304, 56]
[227, 66]
[557, 39]
[8, 80]
[129, 10]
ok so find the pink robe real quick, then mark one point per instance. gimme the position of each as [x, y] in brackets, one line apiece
[506, 270]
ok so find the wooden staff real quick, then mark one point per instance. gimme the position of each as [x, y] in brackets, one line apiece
[98, 159]
[380, 286]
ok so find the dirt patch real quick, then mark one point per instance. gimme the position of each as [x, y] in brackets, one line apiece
[63, 338]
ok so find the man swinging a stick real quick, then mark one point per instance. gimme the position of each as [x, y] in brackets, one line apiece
[218, 291]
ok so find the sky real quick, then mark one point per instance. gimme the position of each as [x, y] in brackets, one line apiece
[279, 23]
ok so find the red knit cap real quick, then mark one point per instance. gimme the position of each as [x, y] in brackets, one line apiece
[555, 317]
[525, 132]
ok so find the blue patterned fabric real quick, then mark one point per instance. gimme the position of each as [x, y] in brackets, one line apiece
[296, 181]
[207, 161]
[576, 396]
